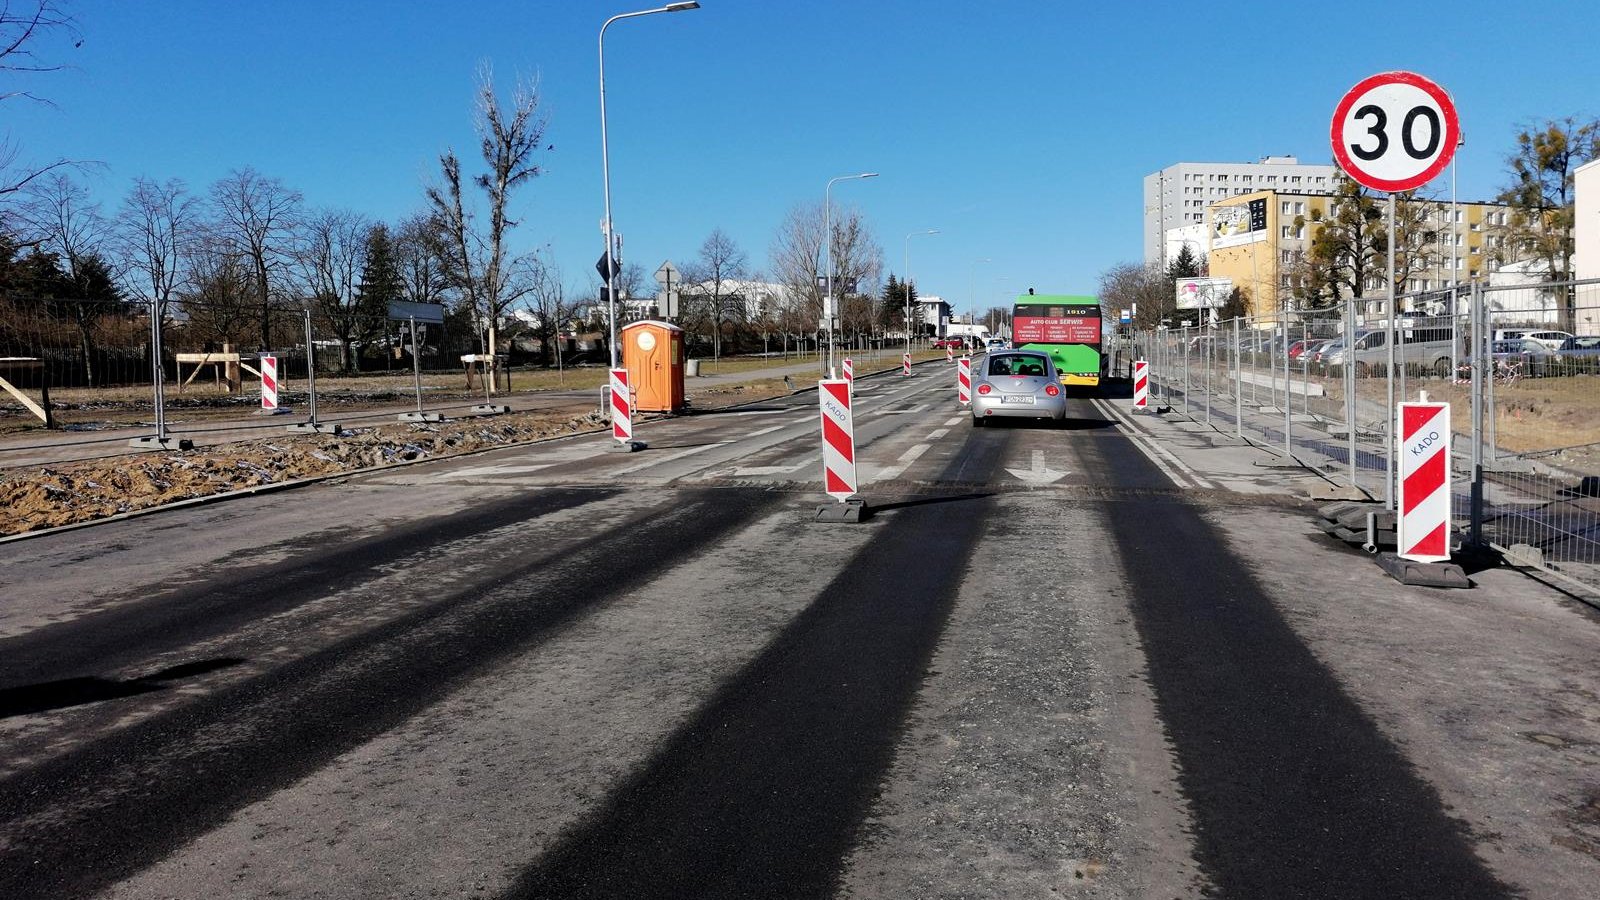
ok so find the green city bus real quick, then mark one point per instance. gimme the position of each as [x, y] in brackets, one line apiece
[1065, 326]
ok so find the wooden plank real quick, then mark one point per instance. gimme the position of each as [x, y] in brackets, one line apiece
[26, 401]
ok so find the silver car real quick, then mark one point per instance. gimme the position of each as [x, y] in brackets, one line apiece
[1017, 384]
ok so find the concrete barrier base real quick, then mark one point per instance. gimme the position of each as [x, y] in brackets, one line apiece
[166, 443]
[627, 446]
[1440, 575]
[420, 417]
[490, 409]
[315, 428]
[852, 512]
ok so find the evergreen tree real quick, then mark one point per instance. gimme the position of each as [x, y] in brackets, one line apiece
[380, 275]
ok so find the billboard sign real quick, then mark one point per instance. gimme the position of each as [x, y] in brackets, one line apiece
[1203, 293]
[1239, 223]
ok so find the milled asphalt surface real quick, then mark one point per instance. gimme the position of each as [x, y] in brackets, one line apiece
[557, 671]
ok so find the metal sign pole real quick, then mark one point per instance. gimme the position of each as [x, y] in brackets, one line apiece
[1388, 410]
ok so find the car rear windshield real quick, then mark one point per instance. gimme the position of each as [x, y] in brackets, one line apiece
[1016, 365]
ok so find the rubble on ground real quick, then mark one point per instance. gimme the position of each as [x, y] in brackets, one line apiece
[68, 493]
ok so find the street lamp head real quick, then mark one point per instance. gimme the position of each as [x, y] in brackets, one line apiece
[868, 175]
[680, 7]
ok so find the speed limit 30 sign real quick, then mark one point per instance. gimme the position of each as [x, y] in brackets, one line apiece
[1395, 131]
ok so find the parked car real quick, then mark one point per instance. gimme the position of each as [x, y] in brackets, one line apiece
[951, 343]
[1299, 348]
[1429, 347]
[1579, 355]
[1017, 384]
[1529, 357]
[1551, 339]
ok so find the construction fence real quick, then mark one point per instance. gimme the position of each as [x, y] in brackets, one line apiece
[1520, 366]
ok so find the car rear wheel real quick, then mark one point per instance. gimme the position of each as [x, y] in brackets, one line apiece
[978, 422]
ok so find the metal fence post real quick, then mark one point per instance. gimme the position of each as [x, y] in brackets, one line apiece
[311, 372]
[1238, 384]
[1288, 396]
[1208, 358]
[1184, 336]
[158, 374]
[1479, 358]
[1350, 386]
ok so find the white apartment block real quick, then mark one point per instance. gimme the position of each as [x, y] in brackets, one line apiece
[1586, 227]
[1178, 196]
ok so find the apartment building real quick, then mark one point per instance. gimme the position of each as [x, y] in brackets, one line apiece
[1259, 238]
[1178, 196]
[1586, 227]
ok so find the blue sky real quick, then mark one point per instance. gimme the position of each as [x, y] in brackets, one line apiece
[1021, 131]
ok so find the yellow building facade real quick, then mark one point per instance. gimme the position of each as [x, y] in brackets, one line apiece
[1254, 239]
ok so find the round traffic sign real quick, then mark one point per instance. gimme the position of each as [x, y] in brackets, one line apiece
[1395, 131]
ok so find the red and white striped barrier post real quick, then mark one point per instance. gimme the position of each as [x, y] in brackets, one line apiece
[964, 381]
[1423, 527]
[1141, 385]
[621, 408]
[949, 354]
[905, 364]
[269, 383]
[849, 371]
[838, 453]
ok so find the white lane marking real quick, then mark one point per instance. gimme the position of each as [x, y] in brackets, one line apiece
[758, 412]
[770, 470]
[482, 471]
[768, 430]
[1152, 449]
[956, 421]
[937, 433]
[906, 459]
[688, 451]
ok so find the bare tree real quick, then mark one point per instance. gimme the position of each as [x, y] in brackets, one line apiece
[480, 265]
[419, 255]
[257, 216]
[329, 257]
[22, 27]
[217, 290]
[1140, 287]
[155, 231]
[66, 224]
[547, 302]
[796, 255]
[711, 282]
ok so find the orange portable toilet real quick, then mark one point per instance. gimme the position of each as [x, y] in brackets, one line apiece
[652, 352]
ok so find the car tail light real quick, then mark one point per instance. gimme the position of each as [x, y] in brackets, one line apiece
[1052, 390]
[984, 389]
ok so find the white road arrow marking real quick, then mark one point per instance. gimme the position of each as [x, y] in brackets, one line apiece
[1040, 473]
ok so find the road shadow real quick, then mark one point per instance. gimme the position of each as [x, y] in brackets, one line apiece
[928, 501]
[68, 692]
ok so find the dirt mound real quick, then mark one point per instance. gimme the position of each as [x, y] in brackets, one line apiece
[64, 494]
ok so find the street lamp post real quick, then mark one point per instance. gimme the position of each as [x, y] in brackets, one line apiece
[907, 286]
[972, 294]
[605, 169]
[828, 311]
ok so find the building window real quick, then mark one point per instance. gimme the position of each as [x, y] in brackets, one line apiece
[1300, 209]
[1286, 207]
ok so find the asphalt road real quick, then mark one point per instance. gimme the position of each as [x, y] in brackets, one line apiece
[1056, 661]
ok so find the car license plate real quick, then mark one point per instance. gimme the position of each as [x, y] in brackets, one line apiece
[1018, 399]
